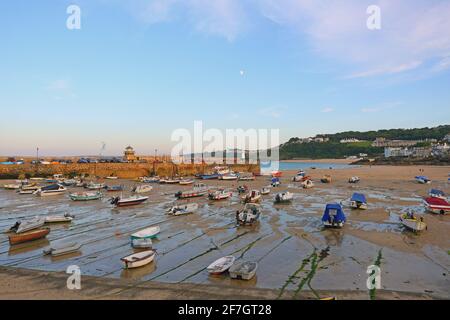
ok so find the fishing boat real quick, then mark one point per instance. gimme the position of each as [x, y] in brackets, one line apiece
[130, 201]
[59, 218]
[275, 182]
[308, 184]
[95, 186]
[142, 243]
[354, 179]
[148, 233]
[357, 201]
[52, 190]
[142, 188]
[114, 188]
[228, 176]
[61, 250]
[244, 270]
[435, 193]
[139, 259]
[253, 196]
[219, 195]
[86, 196]
[284, 197]
[249, 215]
[28, 225]
[265, 191]
[412, 222]
[221, 265]
[183, 209]
[422, 179]
[210, 176]
[28, 236]
[186, 182]
[326, 179]
[437, 205]
[12, 186]
[191, 193]
[334, 216]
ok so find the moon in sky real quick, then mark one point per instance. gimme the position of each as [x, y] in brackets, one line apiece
[241, 72]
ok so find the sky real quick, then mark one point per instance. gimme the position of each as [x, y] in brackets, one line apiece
[138, 70]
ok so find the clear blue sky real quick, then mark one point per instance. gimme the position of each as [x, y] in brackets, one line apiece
[137, 70]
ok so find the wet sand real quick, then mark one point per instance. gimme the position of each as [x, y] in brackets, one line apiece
[296, 256]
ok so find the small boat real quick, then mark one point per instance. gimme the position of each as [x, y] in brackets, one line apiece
[244, 270]
[413, 223]
[186, 182]
[242, 189]
[144, 188]
[265, 191]
[219, 195]
[69, 182]
[276, 174]
[354, 179]
[437, 205]
[422, 179]
[228, 176]
[221, 265]
[95, 186]
[210, 176]
[142, 243]
[308, 184]
[28, 236]
[52, 190]
[249, 215]
[28, 225]
[284, 197]
[26, 191]
[299, 177]
[183, 209]
[326, 179]
[61, 250]
[30, 187]
[253, 196]
[275, 182]
[434, 193]
[191, 193]
[12, 186]
[86, 196]
[246, 177]
[80, 184]
[112, 178]
[59, 218]
[149, 179]
[114, 188]
[148, 233]
[357, 201]
[130, 201]
[139, 259]
[334, 216]
[222, 170]
[37, 179]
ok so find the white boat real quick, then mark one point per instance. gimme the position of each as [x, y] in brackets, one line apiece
[308, 184]
[86, 196]
[183, 209]
[284, 197]
[228, 176]
[12, 186]
[59, 218]
[61, 250]
[52, 190]
[265, 191]
[354, 180]
[144, 188]
[249, 215]
[148, 233]
[244, 270]
[139, 259]
[219, 195]
[221, 265]
[186, 182]
[222, 170]
[247, 177]
[413, 223]
[95, 186]
[130, 201]
[142, 243]
[30, 187]
[28, 225]
[149, 179]
[253, 196]
[112, 178]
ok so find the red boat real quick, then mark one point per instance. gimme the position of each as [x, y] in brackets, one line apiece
[437, 205]
[29, 236]
[277, 174]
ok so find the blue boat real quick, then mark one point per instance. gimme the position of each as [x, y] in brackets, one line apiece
[275, 182]
[209, 176]
[422, 179]
[358, 201]
[435, 193]
[334, 216]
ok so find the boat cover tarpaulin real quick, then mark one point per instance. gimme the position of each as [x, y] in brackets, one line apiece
[436, 201]
[437, 192]
[334, 210]
[422, 178]
[51, 188]
[275, 180]
[359, 197]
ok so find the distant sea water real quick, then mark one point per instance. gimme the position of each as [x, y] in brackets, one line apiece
[289, 166]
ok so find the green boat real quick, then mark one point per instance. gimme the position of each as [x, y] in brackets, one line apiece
[86, 196]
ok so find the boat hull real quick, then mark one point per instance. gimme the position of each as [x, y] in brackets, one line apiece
[28, 236]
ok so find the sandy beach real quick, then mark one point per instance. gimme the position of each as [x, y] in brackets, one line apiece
[298, 259]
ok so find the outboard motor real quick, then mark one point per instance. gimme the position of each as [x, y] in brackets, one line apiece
[178, 194]
[115, 200]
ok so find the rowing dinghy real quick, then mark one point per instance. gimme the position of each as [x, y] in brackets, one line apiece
[139, 259]
[28, 236]
[244, 270]
[183, 209]
[413, 223]
[62, 249]
[142, 243]
[59, 218]
[221, 265]
[12, 186]
[148, 233]
[25, 226]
